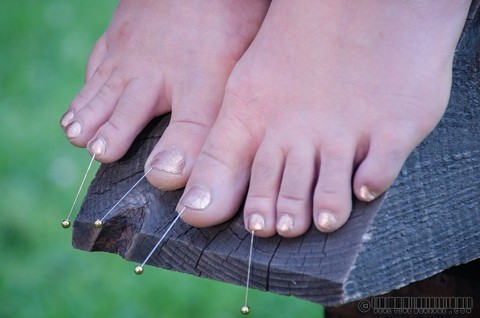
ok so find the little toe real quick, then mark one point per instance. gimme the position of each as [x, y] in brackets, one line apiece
[294, 203]
[87, 120]
[97, 55]
[260, 205]
[134, 109]
[378, 170]
[333, 194]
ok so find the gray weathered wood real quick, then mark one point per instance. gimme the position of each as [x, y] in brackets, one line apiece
[427, 222]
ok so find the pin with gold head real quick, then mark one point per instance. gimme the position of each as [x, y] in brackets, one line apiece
[139, 268]
[66, 223]
[99, 222]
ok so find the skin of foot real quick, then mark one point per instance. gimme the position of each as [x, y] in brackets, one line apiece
[327, 103]
[156, 57]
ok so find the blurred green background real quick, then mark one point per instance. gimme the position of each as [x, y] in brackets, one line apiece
[44, 48]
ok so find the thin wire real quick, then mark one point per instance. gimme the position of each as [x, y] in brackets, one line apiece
[130, 190]
[162, 238]
[80, 188]
[248, 271]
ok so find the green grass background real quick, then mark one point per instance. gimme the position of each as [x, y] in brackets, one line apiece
[44, 45]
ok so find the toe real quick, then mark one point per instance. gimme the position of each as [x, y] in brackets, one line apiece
[193, 115]
[134, 109]
[294, 204]
[88, 91]
[88, 119]
[385, 158]
[97, 55]
[260, 205]
[333, 194]
[174, 156]
[219, 180]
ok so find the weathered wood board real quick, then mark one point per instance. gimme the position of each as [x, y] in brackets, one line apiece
[427, 222]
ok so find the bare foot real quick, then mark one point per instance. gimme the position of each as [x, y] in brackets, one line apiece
[327, 92]
[156, 57]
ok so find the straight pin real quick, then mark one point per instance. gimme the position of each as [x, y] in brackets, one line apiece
[139, 269]
[66, 222]
[245, 309]
[99, 222]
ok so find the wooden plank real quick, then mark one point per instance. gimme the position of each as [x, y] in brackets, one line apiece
[426, 222]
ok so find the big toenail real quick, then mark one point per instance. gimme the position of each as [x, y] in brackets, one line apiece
[66, 119]
[97, 146]
[256, 222]
[73, 129]
[170, 161]
[285, 223]
[326, 221]
[366, 195]
[197, 198]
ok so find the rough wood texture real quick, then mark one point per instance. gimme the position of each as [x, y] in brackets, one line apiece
[427, 222]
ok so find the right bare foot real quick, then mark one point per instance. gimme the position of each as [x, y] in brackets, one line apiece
[157, 57]
[328, 101]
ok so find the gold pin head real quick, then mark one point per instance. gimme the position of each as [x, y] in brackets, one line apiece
[98, 224]
[245, 310]
[65, 224]
[138, 270]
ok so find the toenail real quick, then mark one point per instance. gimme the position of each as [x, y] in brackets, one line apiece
[197, 198]
[66, 119]
[73, 129]
[170, 161]
[326, 221]
[97, 146]
[285, 223]
[256, 222]
[366, 195]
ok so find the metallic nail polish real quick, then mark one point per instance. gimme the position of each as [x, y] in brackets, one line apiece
[256, 222]
[197, 198]
[66, 119]
[366, 195]
[73, 129]
[97, 146]
[285, 223]
[171, 161]
[326, 221]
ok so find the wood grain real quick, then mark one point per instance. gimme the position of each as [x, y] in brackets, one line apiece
[427, 222]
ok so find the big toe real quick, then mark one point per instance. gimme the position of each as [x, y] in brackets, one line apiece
[173, 158]
[219, 179]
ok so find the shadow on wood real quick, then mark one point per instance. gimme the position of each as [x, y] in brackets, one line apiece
[427, 222]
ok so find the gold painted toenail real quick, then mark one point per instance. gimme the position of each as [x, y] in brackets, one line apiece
[97, 146]
[285, 223]
[170, 161]
[326, 221]
[66, 119]
[197, 198]
[256, 222]
[73, 129]
[366, 195]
